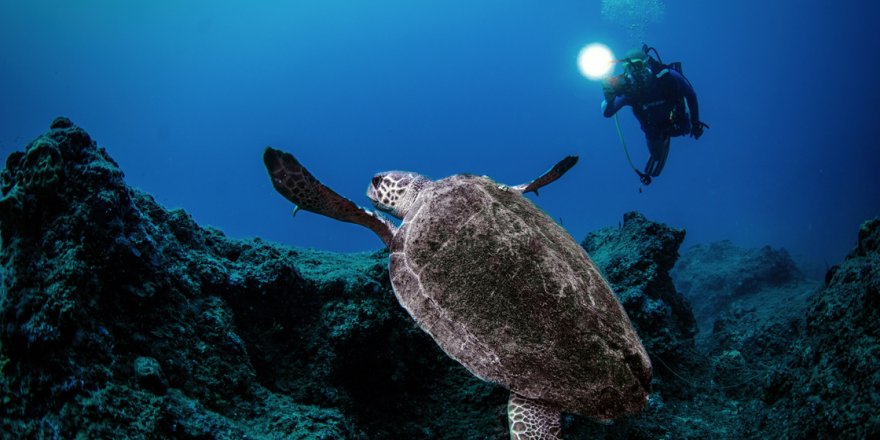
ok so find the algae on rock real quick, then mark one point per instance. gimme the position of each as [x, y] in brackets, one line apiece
[253, 340]
[122, 319]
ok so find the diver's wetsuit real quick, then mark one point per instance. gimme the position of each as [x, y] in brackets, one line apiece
[661, 105]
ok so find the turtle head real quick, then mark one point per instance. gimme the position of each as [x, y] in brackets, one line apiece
[395, 192]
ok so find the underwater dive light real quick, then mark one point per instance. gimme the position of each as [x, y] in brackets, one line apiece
[595, 61]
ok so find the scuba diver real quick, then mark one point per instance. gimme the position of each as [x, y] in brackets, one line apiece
[662, 100]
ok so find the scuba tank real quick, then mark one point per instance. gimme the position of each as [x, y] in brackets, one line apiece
[641, 71]
[658, 66]
[680, 114]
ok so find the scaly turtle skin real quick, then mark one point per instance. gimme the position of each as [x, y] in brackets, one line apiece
[500, 287]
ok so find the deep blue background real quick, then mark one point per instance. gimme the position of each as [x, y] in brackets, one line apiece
[185, 95]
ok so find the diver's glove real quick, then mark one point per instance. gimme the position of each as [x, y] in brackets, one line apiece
[697, 129]
[610, 87]
[607, 91]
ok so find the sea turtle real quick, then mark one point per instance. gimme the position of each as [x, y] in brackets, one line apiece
[501, 287]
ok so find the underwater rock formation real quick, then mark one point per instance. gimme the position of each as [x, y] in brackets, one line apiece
[636, 259]
[715, 276]
[122, 319]
[112, 319]
[749, 304]
[785, 356]
[829, 386]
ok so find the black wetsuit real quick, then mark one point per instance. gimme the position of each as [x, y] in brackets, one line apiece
[665, 105]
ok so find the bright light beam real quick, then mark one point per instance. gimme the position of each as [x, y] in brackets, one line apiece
[596, 61]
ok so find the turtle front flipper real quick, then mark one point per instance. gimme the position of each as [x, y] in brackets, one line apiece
[296, 183]
[530, 420]
[552, 174]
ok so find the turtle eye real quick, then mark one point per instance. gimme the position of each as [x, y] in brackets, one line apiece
[377, 180]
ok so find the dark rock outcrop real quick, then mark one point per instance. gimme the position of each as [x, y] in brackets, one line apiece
[830, 384]
[636, 259]
[785, 358]
[714, 276]
[749, 303]
[121, 319]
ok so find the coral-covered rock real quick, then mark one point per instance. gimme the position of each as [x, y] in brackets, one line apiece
[749, 303]
[119, 319]
[108, 300]
[149, 374]
[829, 388]
[714, 276]
[636, 259]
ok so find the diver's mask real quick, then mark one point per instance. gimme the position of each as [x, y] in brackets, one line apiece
[637, 72]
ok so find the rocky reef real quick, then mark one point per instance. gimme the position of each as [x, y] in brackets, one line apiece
[750, 304]
[828, 383]
[122, 319]
[636, 259]
[719, 277]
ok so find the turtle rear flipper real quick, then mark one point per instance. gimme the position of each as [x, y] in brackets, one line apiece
[528, 419]
[293, 181]
[551, 175]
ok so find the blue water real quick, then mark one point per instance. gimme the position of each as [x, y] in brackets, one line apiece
[185, 95]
